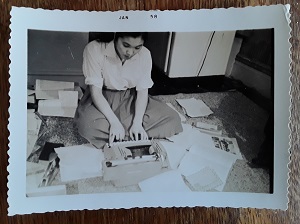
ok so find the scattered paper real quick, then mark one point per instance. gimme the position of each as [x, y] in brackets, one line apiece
[79, 162]
[194, 107]
[200, 157]
[65, 106]
[180, 115]
[175, 153]
[190, 136]
[170, 181]
[204, 180]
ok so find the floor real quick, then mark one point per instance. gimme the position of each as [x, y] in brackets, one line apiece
[237, 116]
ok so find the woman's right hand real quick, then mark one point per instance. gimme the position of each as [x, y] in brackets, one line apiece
[116, 132]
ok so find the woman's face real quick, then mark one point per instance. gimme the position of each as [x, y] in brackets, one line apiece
[127, 47]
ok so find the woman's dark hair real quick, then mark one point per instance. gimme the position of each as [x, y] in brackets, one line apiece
[143, 35]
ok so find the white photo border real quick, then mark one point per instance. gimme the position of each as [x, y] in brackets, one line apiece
[259, 17]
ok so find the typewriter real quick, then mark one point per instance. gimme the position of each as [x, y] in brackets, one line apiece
[129, 162]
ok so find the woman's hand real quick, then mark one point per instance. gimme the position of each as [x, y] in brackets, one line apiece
[116, 132]
[137, 130]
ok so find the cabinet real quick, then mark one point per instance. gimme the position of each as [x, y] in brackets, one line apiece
[199, 53]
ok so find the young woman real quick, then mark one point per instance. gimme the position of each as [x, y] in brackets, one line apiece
[116, 105]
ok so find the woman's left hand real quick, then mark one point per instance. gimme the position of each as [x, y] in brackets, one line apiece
[137, 131]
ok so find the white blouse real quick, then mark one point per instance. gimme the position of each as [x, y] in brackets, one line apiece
[102, 67]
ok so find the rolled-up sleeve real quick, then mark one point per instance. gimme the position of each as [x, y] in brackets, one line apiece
[92, 57]
[145, 81]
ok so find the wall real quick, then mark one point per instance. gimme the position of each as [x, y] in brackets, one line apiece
[55, 55]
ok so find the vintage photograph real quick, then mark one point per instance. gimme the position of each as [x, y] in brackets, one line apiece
[148, 109]
[150, 112]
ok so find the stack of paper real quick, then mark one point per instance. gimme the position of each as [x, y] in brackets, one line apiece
[79, 162]
[46, 89]
[204, 180]
[199, 157]
[64, 106]
[194, 107]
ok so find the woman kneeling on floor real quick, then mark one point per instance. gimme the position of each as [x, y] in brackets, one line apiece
[116, 105]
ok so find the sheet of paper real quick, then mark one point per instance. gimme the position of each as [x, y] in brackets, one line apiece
[170, 181]
[53, 85]
[217, 155]
[33, 181]
[30, 92]
[68, 98]
[175, 153]
[204, 180]
[180, 115]
[33, 122]
[65, 106]
[199, 157]
[194, 107]
[46, 94]
[190, 136]
[79, 162]
[56, 103]
[53, 94]
[30, 99]
[31, 140]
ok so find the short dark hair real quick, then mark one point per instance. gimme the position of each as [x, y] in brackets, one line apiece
[143, 35]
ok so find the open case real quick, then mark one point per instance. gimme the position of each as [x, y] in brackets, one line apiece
[128, 163]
